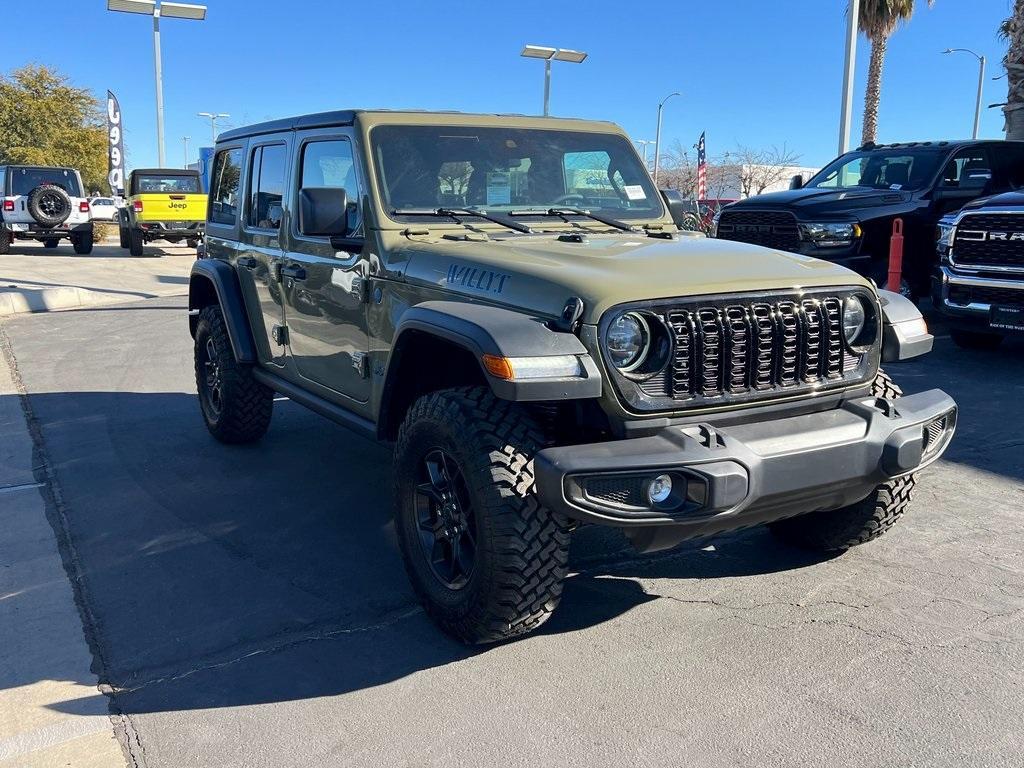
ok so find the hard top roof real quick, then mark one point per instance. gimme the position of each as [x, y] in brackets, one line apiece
[166, 171]
[944, 144]
[347, 117]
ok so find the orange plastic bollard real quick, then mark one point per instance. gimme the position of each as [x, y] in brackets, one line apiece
[896, 256]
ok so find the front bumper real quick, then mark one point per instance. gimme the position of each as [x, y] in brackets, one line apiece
[967, 298]
[741, 475]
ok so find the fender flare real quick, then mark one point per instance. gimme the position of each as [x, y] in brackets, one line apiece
[487, 330]
[904, 331]
[220, 276]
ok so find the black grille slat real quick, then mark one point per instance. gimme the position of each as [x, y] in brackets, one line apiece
[970, 251]
[772, 229]
[754, 349]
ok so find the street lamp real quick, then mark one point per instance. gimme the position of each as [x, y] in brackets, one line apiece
[643, 143]
[549, 55]
[213, 117]
[981, 83]
[169, 10]
[657, 136]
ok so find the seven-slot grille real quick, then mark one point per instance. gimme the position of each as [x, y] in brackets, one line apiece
[990, 239]
[754, 348]
[772, 229]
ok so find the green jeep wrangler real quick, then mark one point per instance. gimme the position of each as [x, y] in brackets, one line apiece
[506, 300]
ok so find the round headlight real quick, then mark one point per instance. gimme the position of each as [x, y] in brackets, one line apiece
[628, 340]
[854, 318]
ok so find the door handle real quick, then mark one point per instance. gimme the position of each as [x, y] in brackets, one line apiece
[247, 262]
[294, 271]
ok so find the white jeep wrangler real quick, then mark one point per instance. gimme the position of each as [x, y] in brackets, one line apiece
[47, 204]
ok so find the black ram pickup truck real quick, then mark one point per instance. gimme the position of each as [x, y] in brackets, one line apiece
[845, 212]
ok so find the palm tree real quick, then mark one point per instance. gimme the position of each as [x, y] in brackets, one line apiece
[878, 19]
[1012, 30]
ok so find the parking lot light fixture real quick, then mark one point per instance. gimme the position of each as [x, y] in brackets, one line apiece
[549, 55]
[981, 84]
[657, 135]
[172, 11]
[213, 117]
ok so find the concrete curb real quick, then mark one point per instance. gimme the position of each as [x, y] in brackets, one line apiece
[16, 300]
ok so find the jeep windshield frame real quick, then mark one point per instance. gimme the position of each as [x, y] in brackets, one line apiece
[505, 171]
[906, 169]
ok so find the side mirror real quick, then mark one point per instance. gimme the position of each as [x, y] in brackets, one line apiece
[797, 182]
[323, 212]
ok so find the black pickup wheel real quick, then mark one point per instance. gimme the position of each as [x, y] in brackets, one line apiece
[486, 559]
[135, 241]
[839, 529]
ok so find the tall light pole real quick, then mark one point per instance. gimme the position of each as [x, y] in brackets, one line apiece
[981, 84]
[185, 140]
[213, 118]
[549, 55]
[644, 143]
[846, 107]
[657, 135]
[171, 11]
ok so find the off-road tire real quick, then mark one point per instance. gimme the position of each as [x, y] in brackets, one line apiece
[975, 340]
[135, 242]
[5, 241]
[836, 530]
[522, 548]
[52, 243]
[56, 195]
[246, 405]
[122, 234]
[82, 244]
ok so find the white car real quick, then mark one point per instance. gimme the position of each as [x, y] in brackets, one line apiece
[103, 209]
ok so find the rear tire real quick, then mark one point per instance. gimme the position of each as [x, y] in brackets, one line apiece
[135, 242]
[975, 339]
[5, 242]
[82, 244]
[836, 530]
[235, 407]
[512, 552]
[122, 235]
[51, 243]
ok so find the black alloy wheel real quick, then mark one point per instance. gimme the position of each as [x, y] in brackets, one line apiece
[445, 521]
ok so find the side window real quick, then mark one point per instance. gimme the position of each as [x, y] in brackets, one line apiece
[266, 186]
[227, 167]
[331, 164]
[967, 170]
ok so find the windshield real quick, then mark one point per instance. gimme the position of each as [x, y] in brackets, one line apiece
[24, 180]
[174, 184]
[510, 169]
[906, 168]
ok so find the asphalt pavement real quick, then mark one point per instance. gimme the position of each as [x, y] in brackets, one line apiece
[246, 606]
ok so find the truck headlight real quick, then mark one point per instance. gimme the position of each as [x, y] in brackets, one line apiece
[854, 319]
[944, 234]
[830, 235]
[628, 339]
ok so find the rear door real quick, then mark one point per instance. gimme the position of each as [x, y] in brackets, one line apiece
[325, 289]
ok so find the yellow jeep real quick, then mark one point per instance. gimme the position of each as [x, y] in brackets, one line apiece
[162, 204]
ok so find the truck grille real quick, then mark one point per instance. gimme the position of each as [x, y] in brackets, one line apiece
[739, 349]
[984, 240]
[772, 229]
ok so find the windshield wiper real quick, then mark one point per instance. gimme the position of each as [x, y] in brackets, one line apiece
[562, 213]
[455, 213]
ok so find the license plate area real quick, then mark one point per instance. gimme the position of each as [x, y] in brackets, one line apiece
[1006, 318]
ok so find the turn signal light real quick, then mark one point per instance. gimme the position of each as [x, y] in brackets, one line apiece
[137, 206]
[499, 367]
[8, 205]
[83, 207]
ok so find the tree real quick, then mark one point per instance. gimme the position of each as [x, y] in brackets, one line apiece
[44, 120]
[1012, 30]
[759, 169]
[878, 19]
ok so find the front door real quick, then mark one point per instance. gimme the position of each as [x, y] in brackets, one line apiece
[324, 289]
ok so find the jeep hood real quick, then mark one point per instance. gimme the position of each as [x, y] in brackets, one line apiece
[539, 273]
[813, 203]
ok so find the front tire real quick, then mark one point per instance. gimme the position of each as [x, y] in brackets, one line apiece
[836, 530]
[135, 242]
[235, 407]
[975, 340]
[485, 558]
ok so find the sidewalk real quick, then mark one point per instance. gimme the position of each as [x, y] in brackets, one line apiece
[34, 279]
[51, 712]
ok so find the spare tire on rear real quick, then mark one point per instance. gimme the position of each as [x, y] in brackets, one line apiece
[49, 205]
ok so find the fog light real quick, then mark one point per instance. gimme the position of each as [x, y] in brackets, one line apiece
[659, 489]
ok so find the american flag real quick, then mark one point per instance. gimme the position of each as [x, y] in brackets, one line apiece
[702, 170]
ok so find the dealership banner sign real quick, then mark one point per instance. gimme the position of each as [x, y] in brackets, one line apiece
[115, 145]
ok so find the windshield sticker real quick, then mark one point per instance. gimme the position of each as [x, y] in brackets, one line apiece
[477, 279]
[895, 186]
[635, 192]
[499, 188]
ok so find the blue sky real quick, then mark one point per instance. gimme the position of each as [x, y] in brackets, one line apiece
[755, 73]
